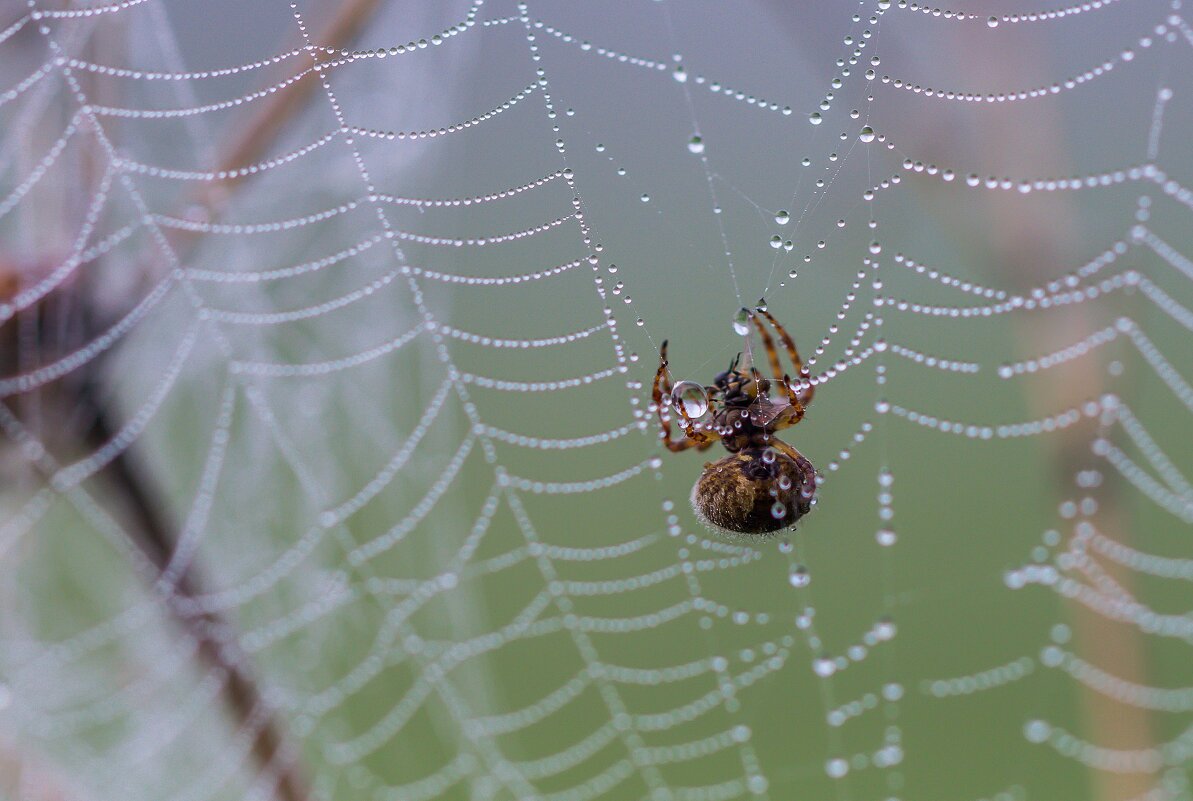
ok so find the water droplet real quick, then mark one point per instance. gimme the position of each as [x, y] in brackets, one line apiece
[867, 134]
[691, 398]
[883, 5]
[782, 217]
[778, 510]
[815, 118]
[1037, 731]
[992, 22]
[645, 198]
[875, 248]
[885, 628]
[776, 241]
[680, 74]
[784, 483]
[800, 577]
[760, 305]
[768, 456]
[696, 145]
[886, 537]
[741, 322]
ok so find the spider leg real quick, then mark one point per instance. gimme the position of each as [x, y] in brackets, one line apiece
[662, 380]
[787, 450]
[698, 440]
[807, 472]
[768, 342]
[660, 375]
[662, 384]
[793, 413]
[806, 390]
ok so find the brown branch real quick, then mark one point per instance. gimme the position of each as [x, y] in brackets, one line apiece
[133, 490]
[276, 111]
[154, 537]
[154, 534]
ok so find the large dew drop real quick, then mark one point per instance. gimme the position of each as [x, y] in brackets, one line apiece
[696, 145]
[867, 134]
[741, 322]
[691, 398]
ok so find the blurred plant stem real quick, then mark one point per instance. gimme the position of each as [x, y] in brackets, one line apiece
[1030, 239]
[251, 142]
[133, 493]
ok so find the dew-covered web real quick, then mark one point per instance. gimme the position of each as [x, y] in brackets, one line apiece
[330, 468]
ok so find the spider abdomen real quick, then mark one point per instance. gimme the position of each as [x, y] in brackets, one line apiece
[756, 491]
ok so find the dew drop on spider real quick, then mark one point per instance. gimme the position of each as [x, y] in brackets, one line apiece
[691, 398]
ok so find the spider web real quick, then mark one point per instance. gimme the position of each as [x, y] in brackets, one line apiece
[331, 472]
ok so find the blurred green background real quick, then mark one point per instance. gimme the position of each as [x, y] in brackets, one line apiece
[305, 555]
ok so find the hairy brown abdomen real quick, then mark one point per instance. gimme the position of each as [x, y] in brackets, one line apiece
[756, 491]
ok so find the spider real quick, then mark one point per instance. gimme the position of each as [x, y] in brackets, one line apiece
[764, 485]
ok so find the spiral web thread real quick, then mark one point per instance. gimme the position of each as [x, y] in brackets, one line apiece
[112, 700]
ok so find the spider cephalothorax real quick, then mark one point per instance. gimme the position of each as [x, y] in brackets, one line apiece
[764, 485]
